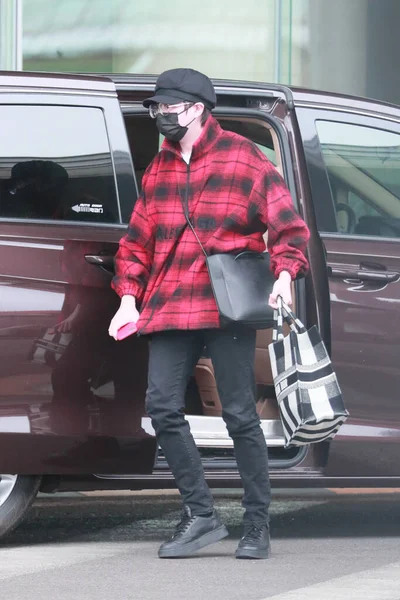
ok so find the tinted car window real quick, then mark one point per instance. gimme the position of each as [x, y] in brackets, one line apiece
[363, 167]
[56, 164]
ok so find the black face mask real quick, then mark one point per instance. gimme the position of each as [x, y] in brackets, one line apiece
[168, 126]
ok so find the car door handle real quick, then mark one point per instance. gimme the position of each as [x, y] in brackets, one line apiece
[363, 275]
[101, 260]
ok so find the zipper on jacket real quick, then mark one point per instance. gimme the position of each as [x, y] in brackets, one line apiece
[187, 188]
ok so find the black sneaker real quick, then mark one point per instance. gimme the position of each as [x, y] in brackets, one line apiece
[193, 533]
[255, 543]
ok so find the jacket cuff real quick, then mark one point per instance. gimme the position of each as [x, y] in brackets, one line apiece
[126, 288]
[289, 267]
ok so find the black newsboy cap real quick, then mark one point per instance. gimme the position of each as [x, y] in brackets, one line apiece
[177, 85]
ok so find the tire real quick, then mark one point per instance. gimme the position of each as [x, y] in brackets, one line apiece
[17, 492]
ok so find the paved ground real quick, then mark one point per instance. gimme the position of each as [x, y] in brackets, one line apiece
[105, 547]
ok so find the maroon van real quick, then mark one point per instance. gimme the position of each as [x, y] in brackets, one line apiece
[73, 152]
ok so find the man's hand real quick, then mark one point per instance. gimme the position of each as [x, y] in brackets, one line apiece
[282, 287]
[126, 313]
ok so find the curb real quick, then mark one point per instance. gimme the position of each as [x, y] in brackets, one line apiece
[277, 493]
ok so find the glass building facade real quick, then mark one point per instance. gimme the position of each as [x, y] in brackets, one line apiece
[346, 45]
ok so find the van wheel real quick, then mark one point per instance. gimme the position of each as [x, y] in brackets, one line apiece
[17, 492]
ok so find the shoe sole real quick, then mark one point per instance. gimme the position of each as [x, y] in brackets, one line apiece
[205, 540]
[253, 554]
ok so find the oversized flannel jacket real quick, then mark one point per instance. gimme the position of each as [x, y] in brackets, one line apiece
[234, 195]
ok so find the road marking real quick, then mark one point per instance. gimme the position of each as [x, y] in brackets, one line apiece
[375, 584]
[35, 558]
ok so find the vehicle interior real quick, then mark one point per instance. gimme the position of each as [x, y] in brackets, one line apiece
[203, 406]
[365, 192]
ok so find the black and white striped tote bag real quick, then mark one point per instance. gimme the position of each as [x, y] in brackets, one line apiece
[309, 397]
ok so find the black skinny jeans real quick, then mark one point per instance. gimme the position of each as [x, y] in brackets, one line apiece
[173, 356]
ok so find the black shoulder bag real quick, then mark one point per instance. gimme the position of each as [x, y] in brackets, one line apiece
[241, 284]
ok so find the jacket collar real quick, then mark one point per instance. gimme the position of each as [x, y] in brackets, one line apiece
[207, 138]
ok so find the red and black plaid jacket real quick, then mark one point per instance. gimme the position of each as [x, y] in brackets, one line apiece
[234, 195]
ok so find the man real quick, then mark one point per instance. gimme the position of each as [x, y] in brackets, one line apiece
[233, 195]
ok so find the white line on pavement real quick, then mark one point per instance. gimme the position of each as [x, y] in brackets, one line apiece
[375, 584]
[35, 558]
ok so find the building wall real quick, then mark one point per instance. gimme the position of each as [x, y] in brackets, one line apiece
[338, 45]
[347, 46]
[382, 50]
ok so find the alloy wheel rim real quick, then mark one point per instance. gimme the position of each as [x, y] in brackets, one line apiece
[7, 484]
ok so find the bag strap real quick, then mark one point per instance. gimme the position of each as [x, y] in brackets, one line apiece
[284, 313]
[294, 322]
[195, 235]
[277, 332]
[186, 213]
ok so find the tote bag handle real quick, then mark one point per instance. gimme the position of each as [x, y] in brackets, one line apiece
[283, 313]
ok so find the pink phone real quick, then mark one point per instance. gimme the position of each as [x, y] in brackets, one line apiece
[126, 330]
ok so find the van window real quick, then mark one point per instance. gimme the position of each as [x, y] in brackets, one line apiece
[56, 164]
[363, 167]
